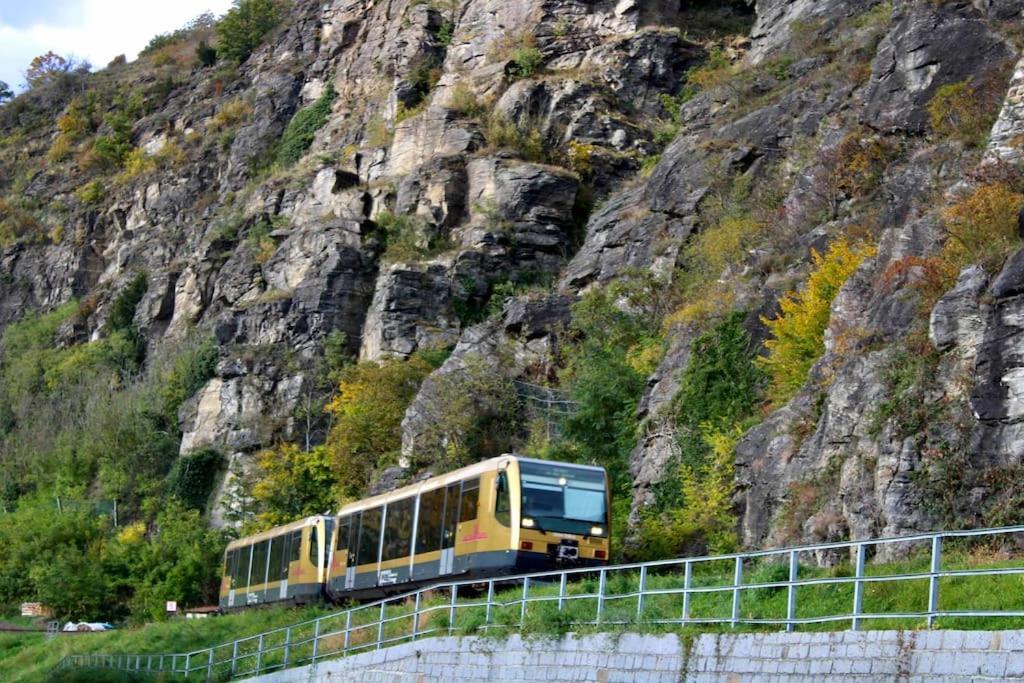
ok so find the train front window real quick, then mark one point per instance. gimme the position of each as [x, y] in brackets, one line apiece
[564, 499]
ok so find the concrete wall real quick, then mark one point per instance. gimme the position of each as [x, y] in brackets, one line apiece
[811, 657]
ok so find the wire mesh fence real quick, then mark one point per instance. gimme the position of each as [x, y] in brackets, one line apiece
[958, 579]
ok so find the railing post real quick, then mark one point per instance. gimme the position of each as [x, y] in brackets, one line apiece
[287, 646]
[522, 604]
[794, 568]
[209, 666]
[316, 639]
[380, 624]
[561, 591]
[259, 657]
[234, 658]
[933, 581]
[174, 664]
[602, 583]
[348, 633]
[416, 617]
[188, 664]
[149, 663]
[451, 609]
[490, 602]
[736, 583]
[687, 584]
[858, 586]
[640, 593]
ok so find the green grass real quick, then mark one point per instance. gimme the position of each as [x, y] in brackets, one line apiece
[29, 657]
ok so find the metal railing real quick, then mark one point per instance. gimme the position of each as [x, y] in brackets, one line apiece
[768, 588]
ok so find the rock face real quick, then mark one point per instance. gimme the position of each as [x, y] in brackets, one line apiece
[478, 148]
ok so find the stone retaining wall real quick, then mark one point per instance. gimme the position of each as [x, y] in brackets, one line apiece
[811, 657]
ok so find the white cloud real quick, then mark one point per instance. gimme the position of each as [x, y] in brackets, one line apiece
[95, 30]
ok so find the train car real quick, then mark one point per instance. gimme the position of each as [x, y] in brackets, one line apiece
[502, 516]
[284, 564]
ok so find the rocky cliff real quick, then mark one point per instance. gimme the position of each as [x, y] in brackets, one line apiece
[567, 146]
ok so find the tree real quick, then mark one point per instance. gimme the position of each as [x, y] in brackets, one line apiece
[242, 29]
[5, 92]
[47, 68]
[293, 483]
[368, 413]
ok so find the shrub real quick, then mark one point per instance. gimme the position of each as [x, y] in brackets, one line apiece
[91, 193]
[243, 27]
[963, 112]
[406, 237]
[206, 55]
[298, 136]
[465, 102]
[798, 331]
[982, 228]
[230, 114]
[526, 61]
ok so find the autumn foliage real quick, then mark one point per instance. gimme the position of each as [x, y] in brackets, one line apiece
[798, 331]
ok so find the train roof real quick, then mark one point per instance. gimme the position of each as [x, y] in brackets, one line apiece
[450, 477]
[276, 531]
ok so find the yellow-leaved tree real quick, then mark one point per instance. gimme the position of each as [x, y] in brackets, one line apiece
[368, 411]
[798, 331]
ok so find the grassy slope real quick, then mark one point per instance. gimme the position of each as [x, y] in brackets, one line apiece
[29, 657]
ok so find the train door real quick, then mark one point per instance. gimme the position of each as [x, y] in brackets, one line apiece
[451, 522]
[344, 555]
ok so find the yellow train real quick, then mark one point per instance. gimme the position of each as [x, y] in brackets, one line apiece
[501, 516]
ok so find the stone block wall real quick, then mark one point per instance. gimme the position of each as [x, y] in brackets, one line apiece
[607, 658]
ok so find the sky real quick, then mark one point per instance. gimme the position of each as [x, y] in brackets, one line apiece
[94, 30]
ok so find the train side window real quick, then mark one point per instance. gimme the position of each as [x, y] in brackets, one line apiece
[295, 546]
[314, 546]
[353, 538]
[341, 545]
[503, 501]
[259, 564]
[230, 568]
[470, 500]
[275, 573]
[369, 536]
[398, 529]
[431, 522]
[243, 566]
[451, 515]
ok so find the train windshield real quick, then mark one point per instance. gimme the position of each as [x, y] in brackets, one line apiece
[563, 498]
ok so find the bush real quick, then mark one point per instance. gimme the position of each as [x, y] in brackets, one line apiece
[465, 102]
[368, 411]
[242, 29]
[206, 55]
[91, 193]
[982, 228]
[798, 331]
[525, 62]
[230, 115]
[963, 112]
[407, 238]
[298, 136]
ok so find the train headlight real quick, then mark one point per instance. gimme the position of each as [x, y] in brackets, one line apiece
[596, 531]
[528, 522]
